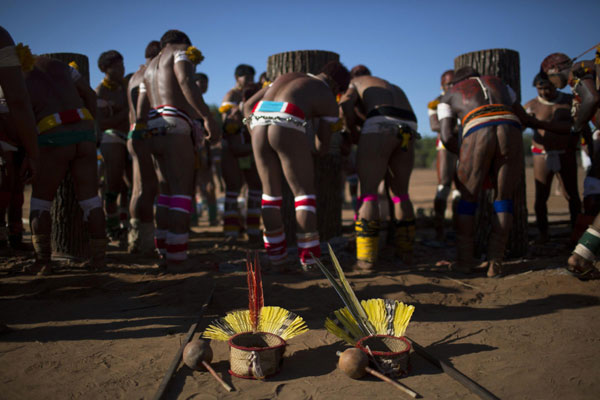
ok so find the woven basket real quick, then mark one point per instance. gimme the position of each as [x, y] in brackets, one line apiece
[390, 352]
[255, 355]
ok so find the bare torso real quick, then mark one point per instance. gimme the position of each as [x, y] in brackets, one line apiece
[558, 111]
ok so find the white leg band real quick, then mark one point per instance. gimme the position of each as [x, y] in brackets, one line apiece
[39, 205]
[88, 205]
[442, 192]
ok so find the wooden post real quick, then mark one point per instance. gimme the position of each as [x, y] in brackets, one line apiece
[69, 235]
[503, 63]
[328, 168]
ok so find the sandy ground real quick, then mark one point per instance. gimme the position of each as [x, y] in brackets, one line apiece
[532, 334]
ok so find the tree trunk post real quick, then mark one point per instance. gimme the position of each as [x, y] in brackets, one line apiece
[328, 168]
[503, 63]
[69, 235]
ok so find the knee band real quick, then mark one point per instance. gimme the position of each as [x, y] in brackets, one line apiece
[177, 245]
[231, 199]
[455, 194]
[275, 245]
[160, 240]
[308, 246]
[163, 201]
[588, 246]
[503, 206]
[352, 179]
[254, 195]
[368, 197]
[111, 197]
[401, 198]
[271, 201]
[466, 207]
[181, 203]
[90, 204]
[367, 240]
[39, 205]
[442, 192]
[306, 203]
[404, 235]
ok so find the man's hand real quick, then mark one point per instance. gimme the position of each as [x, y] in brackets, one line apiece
[28, 170]
[211, 130]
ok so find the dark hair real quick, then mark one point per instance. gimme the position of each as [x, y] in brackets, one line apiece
[200, 77]
[447, 72]
[540, 78]
[338, 73]
[152, 49]
[174, 36]
[359, 70]
[263, 76]
[463, 73]
[108, 58]
[555, 60]
[243, 70]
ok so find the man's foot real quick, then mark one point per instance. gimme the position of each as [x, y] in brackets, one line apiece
[463, 268]
[310, 269]
[495, 269]
[582, 269]
[38, 268]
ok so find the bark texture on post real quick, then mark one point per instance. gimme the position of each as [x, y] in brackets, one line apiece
[505, 64]
[69, 234]
[328, 168]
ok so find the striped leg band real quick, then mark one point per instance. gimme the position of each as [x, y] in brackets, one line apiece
[308, 243]
[306, 202]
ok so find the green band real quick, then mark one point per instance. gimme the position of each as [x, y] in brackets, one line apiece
[138, 134]
[591, 242]
[66, 138]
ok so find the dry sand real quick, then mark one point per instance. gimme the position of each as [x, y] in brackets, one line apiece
[532, 334]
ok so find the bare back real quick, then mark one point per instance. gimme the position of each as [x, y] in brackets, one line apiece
[312, 95]
[375, 92]
[469, 94]
[162, 84]
[52, 90]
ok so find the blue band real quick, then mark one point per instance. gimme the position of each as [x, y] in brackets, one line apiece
[466, 207]
[503, 206]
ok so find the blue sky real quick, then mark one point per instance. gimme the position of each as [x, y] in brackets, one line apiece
[409, 43]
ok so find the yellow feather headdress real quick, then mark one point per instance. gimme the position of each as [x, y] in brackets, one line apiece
[365, 318]
[257, 318]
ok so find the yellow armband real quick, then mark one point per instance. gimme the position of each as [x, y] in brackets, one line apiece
[432, 105]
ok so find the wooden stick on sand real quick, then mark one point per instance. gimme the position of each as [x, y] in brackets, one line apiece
[177, 358]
